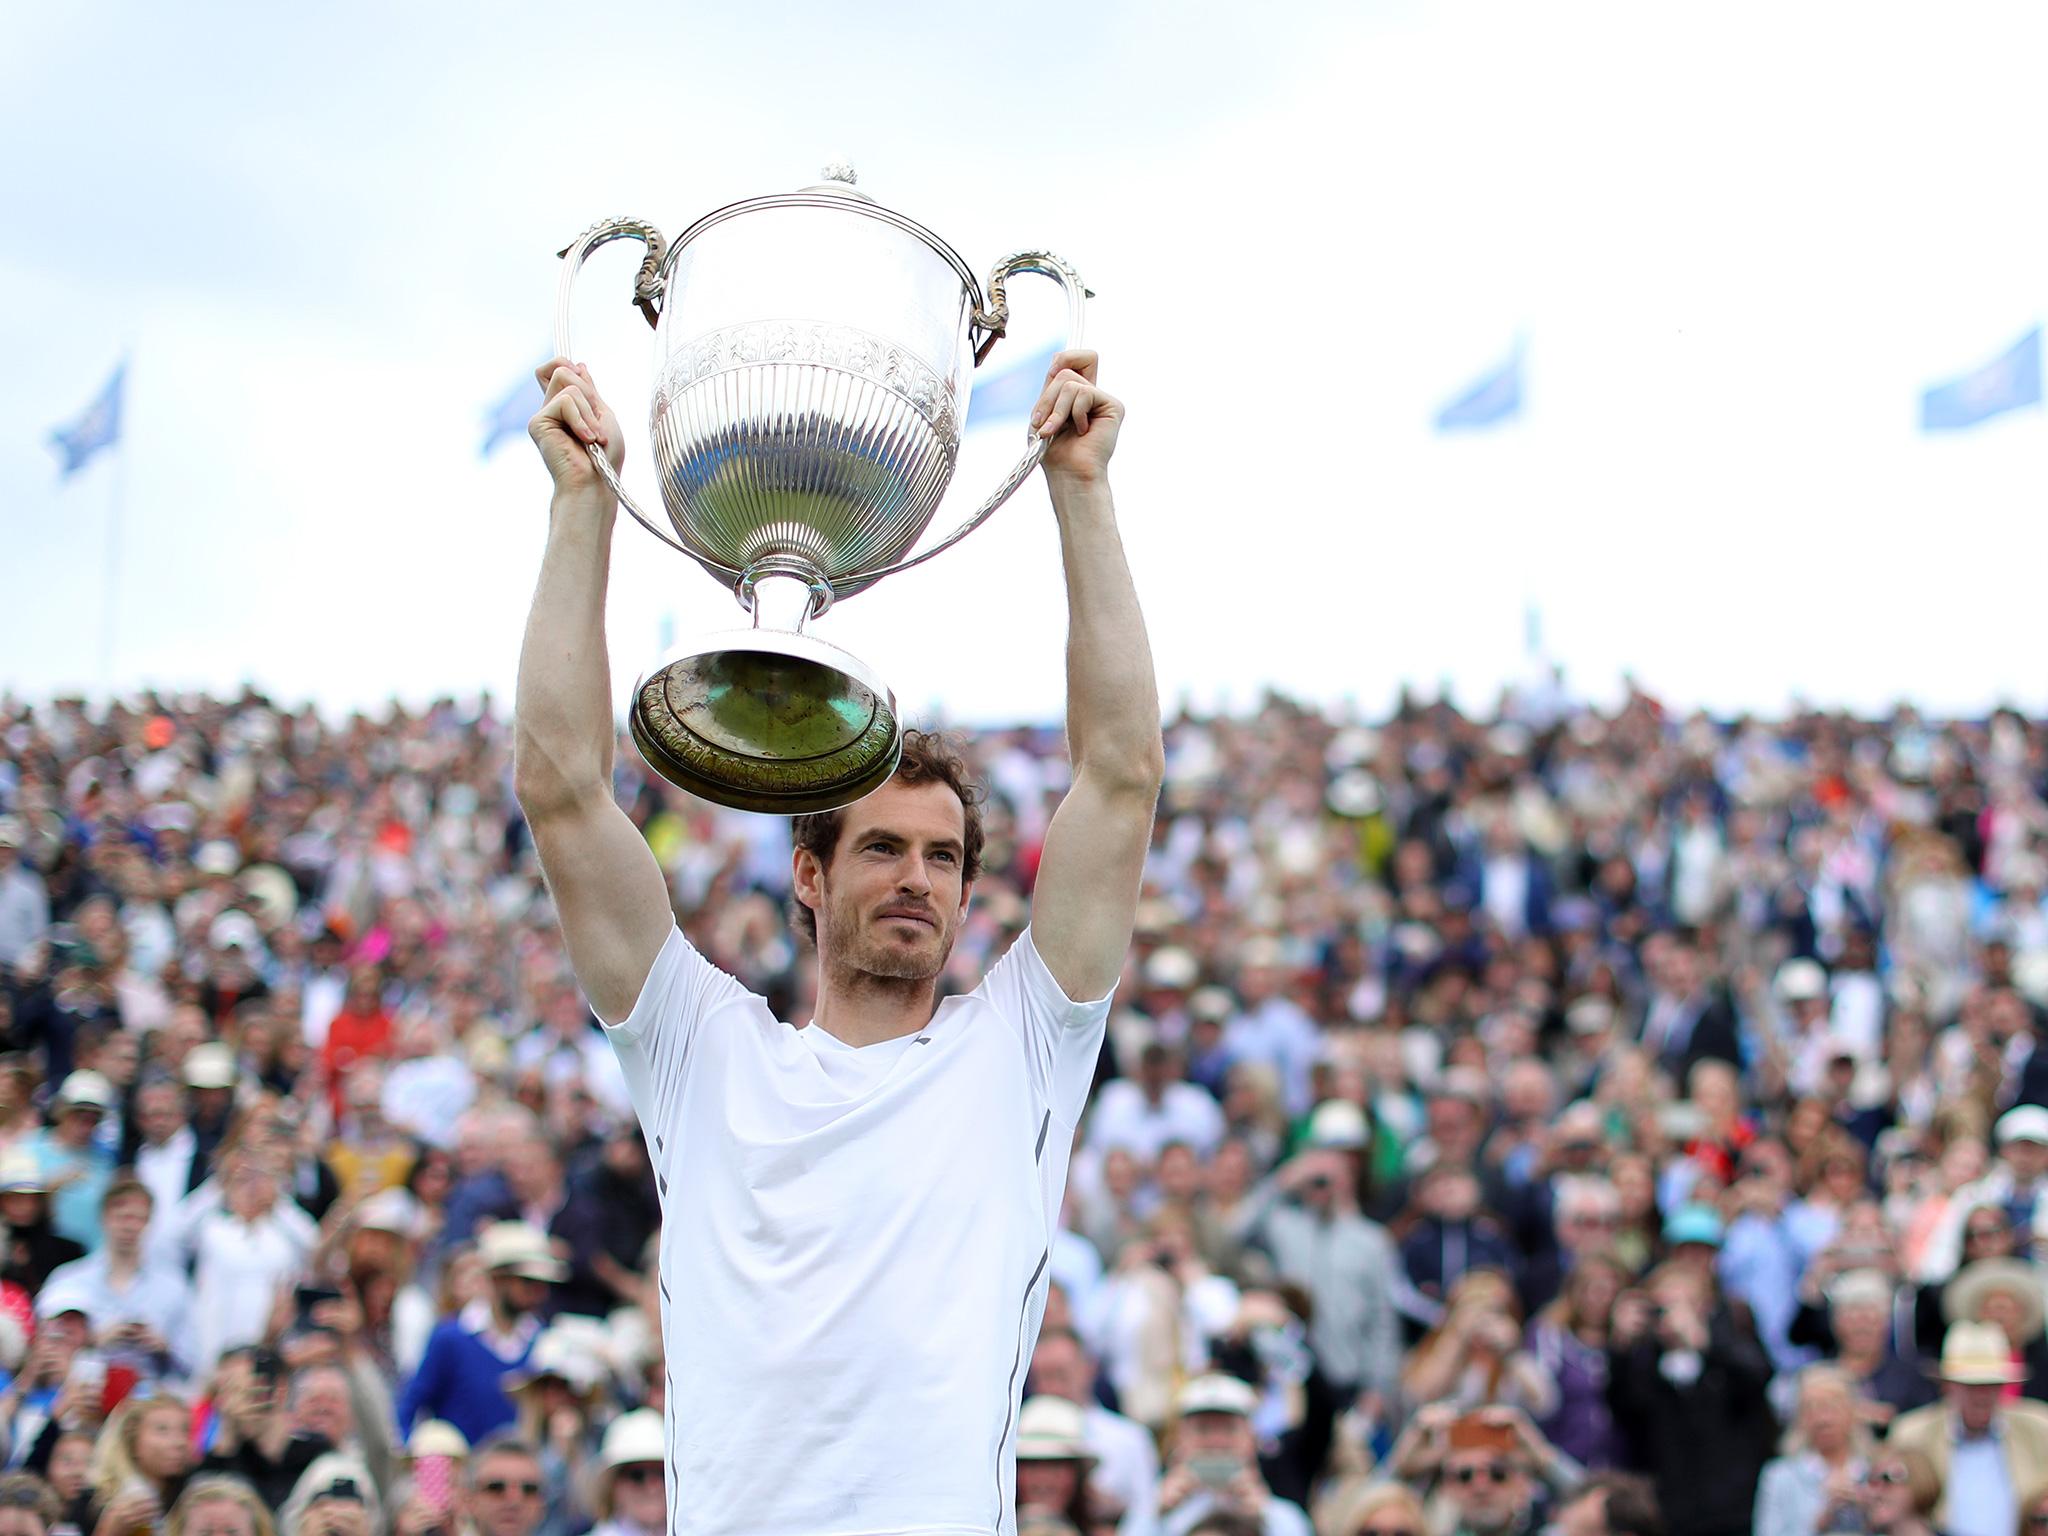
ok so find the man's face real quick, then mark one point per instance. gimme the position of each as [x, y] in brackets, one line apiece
[1060, 1369]
[320, 1404]
[1216, 1434]
[123, 1220]
[159, 1111]
[506, 1497]
[892, 899]
[1986, 1235]
[2027, 1159]
[76, 1124]
[639, 1496]
[518, 1294]
[1974, 1405]
[1489, 1490]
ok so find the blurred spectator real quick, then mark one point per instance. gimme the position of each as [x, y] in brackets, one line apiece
[605, 1221]
[1053, 1462]
[139, 1466]
[1126, 1461]
[214, 1505]
[1821, 1466]
[631, 1497]
[1611, 1504]
[502, 1495]
[28, 1505]
[1212, 1463]
[253, 1436]
[461, 1376]
[24, 903]
[138, 1305]
[1987, 1452]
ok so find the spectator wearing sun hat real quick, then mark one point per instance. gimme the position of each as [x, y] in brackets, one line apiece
[461, 1377]
[33, 1248]
[1213, 1464]
[1054, 1461]
[1986, 1451]
[631, 1491]
[2007, 1293]
[74, 1161]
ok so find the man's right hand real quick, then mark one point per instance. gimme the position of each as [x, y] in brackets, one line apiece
[573, 417]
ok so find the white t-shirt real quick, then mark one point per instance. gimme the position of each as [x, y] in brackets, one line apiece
[854, 1246]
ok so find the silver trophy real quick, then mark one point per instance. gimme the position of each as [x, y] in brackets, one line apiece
[816, 352]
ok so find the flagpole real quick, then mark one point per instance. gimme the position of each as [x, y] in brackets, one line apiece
[110, 597]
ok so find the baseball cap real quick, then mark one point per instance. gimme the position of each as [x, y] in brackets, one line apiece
[86, 1087]
[210, 1064]
[633, 1437]
[21, 1171]
[1216, 1393]
[1337, 1123]
[1801, 981]
[2024, 1122]
[1694, 1224]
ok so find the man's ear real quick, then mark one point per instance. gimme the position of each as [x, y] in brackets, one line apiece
[807, 878]
[966, 895]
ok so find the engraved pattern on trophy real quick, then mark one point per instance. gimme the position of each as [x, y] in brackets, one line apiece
[800, 442]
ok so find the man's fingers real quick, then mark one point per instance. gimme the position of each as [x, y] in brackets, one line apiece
[546, 372]
[1080, 359]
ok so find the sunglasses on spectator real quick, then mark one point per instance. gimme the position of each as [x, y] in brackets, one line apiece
[640, 1472]
[1493, 1471]
[2038, 1520]
[1985, 1229]
[1386, 1530]
[501, 1487]
[1894, 1476]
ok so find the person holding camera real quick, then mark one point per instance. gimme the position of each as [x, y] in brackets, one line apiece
[138, 1307]
[334, 1498]
[1214, 1464]
[1490, 1469]
[253, 1437]
[1311, 1225]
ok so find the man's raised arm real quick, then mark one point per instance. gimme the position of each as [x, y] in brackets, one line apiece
[608, 889]
[1086, 897]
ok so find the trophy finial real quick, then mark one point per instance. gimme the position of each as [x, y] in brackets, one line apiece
[840, 171]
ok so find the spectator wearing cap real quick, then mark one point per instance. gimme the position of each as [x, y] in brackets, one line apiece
[1142, 1114]
[41, 1388]
[1310, 1226]
[1126, 1457]
[138, 1305]
[612, 1209]
[631, 1494]
[559, 1396]
[210, 1074]
[1986, 1451]
[1054, 1462]
[462, 1374]
[2007, 1293]
[33, 1247]
[74, 1162]
[1212, 1465]
[2018, 1181]
[1689, 1387]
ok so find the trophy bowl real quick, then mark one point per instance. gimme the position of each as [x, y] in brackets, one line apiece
[815, 357]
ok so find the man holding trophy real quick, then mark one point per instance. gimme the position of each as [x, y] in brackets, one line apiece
[857, 1213]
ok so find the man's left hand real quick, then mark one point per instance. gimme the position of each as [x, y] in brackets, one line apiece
[1080, 420]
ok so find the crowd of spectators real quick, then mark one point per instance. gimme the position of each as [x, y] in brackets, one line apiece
[1592, 1120]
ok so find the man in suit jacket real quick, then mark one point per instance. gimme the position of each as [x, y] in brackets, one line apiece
[1987, 1452]
[1688, 1018]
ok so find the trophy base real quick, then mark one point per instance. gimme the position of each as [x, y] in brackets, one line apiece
[768, 720]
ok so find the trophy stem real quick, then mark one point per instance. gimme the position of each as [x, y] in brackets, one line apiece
[783, 599]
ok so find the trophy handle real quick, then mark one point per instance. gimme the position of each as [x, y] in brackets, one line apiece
[992, 322]
[647, 293]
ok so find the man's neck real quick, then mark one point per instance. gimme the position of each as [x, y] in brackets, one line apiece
[858, 1008]
[123, 1265]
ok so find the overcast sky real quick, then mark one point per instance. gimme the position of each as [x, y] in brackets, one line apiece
[1737, 242]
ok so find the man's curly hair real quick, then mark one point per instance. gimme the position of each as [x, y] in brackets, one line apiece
[928, 758]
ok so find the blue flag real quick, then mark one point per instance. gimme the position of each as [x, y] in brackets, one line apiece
[1009, 394]
[1493, 398]
[2004, 384]
[508, 418]
[98, 427]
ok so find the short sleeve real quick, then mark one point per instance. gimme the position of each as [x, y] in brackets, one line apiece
[1062, 1038]
[653, 1041]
